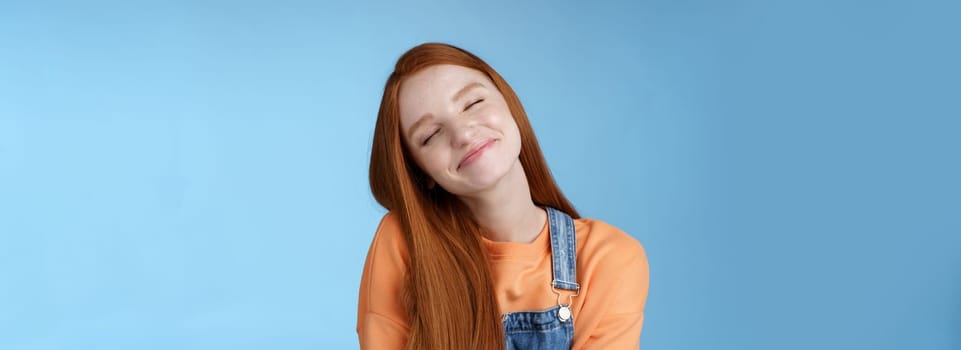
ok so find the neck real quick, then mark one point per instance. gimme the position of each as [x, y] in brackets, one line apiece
[506, 210]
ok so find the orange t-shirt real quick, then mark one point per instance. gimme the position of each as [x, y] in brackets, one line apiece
[612, 271]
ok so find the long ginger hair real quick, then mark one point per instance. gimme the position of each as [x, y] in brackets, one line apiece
[448, 291]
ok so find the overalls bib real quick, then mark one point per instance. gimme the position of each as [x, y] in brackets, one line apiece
[552, 328]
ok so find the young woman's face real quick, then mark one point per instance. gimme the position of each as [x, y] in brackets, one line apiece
[458, 128]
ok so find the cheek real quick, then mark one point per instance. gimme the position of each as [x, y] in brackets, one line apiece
[507, 124]
[501, 118]
[432, 162]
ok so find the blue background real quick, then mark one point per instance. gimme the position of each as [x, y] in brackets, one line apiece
[193, 174]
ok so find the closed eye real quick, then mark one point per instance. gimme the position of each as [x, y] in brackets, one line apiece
[429, 137]
[473, 103]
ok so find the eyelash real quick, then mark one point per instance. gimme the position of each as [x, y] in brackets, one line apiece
[428, 137]
[473, 103]
[438, 130]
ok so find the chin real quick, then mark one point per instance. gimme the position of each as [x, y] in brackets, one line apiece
[479, 181]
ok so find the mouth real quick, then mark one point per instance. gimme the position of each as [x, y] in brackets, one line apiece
[475, 153]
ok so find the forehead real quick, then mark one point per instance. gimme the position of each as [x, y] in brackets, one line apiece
[431, 90]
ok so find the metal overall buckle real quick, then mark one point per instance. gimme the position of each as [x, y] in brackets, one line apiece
[564, 313]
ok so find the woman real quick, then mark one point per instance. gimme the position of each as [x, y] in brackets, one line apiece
[480, 249]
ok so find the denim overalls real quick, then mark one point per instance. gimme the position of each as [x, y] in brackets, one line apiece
[552, 328]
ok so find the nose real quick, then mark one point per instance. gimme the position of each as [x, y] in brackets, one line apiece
[464, 133]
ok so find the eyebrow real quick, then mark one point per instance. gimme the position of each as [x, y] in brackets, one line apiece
[427, 116]
[423, 119]
[463, 91]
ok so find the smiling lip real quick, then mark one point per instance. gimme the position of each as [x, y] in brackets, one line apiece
[475, 153]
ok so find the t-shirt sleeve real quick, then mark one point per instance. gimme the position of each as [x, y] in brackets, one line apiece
[627, 281]
[381, 320]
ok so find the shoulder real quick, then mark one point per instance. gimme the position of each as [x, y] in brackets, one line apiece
[380, 314]
[389, 235]
[389, 223]
[598, 240]
[608, 257]
[612, 265]
[385, 268]
[387, 258]
[613, 273]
